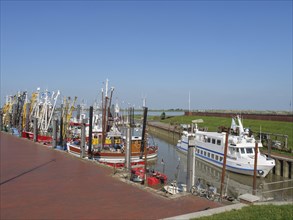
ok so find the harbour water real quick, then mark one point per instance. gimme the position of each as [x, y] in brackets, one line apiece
[174, 164]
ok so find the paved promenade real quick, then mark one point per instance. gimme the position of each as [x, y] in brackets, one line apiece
[38, 182]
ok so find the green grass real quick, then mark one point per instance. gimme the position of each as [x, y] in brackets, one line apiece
[257, 212]
[212, 123]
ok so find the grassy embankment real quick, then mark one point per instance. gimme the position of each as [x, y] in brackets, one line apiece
[259, 212]
[212, 123]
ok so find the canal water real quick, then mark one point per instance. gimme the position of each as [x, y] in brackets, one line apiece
[174, 164]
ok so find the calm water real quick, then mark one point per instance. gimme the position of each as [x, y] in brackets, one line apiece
[175, 166]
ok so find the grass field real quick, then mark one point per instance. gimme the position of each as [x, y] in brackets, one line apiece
[212, 123]
[258, 212]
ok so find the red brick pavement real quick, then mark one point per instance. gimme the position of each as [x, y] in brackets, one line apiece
[38, 182]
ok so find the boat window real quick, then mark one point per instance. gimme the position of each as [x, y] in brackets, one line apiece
[217, 157]
[232, 150]
[209, 140]
[242, 150]
[221, 158]
[213, 156]
[237, 150]
[204, 153]
[213, 141]
[249, 150]
[218, 142]
[209, 155]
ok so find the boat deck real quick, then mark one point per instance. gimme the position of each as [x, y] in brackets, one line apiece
[38, 182]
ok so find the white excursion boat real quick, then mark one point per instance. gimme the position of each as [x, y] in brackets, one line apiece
[240, 155]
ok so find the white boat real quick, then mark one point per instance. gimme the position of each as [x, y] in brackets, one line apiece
[175, 188]
[240, 155]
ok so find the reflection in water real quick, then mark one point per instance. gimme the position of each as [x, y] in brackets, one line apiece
[175, 166]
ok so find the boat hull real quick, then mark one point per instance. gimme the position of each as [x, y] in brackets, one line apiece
[116, 158]
[41, 138]
[232, 165]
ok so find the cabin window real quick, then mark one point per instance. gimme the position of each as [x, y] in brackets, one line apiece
[213, 156]
[204, 153]
[201, 152]
[209, 155]
[218, 142]
[232, 150]
[249, 150]
[221, 158]
[217, 157]
[237, 150]
[242, 150]
[213, 141]
[209, 140]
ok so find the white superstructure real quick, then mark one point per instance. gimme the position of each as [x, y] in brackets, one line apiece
[240, 155]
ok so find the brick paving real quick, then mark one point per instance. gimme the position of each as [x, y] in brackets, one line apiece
[38, 182]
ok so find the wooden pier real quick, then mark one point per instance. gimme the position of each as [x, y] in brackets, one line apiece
[38, 182]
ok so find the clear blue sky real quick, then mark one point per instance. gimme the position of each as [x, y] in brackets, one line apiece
[227, 54]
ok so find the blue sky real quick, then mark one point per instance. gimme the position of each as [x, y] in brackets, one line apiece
[227, 54]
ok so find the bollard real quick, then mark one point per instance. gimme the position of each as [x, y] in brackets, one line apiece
[54, 141]
[35, 129]
[190, 163]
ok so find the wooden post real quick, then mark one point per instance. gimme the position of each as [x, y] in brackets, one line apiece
[224, 166]
[14, 113]
[90, 133]
[1, 120]
[61, 127]
[269, 146]
[78, 113]
[255, 168]
[54, 141]
[104, 122]
[82, 141]
[128, 144]
[35, 129]
[145, 112]
[27, 119]
[143, 148]
[190, 163]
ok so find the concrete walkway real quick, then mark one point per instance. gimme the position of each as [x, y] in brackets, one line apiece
[38, 182]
